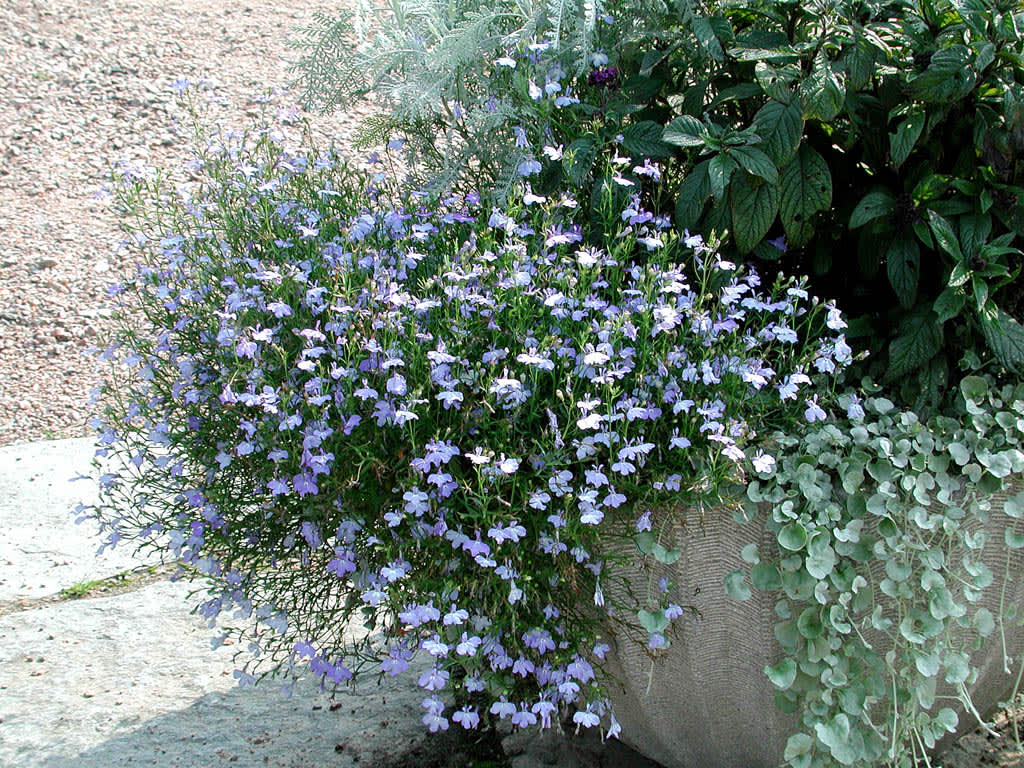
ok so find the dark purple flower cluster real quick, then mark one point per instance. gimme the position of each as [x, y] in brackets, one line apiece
[604, 77]
[434, 417]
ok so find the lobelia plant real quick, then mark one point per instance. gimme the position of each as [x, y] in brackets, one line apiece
[338, 402]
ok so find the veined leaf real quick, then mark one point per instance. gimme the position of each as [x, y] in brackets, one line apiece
[949, 76]
[1005, 336]
[685, 131]
[974, 231]
[643, 139]
[693, 194]
[805, 187]
[774, 55]
[780, 127]
[859, 61]
[578, 159]
[903, 264]
[949, 304]
[919, 339]
[755, 162]
[707, 38]
[754, 207]
[906, 136]
[719, 172]
[776, 81]
[944, 235]
[823, 93]
[735, 93]
[871, 206]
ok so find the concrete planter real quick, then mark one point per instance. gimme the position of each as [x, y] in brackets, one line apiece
[706, 703]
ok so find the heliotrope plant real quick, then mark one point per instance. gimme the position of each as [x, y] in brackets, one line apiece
[337, 402]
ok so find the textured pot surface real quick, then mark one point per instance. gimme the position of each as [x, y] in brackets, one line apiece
[706, 702]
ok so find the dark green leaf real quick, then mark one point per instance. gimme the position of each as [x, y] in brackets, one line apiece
[949, 76]
[774, 55]
[959, 275]
[776, 81]
[756, 162]
[974, 232]
[643, 140]
[717, 219]
[944, 235]
[949, 304]
[930, 187]
[1005, 337]
[707, 38]
[805, 186]
[924, 234]
[903, 265]
[735, 93]
[986, 55]
[685, 131]
[720, 171]
[980, 290]
[780, 127]
[950, 208]
[578, 159]
[650, 60]
[860, 64]
[919, 339]
[906, 136]
[767, 251]
[871, 206]
[694, 97]
[823, 93]
[754, 207]
[693, 193]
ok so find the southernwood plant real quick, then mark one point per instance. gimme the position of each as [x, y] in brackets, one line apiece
[874, 146]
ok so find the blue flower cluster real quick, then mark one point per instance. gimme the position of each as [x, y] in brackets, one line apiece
[435, 416]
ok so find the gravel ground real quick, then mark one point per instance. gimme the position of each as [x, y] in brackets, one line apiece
[86, 82]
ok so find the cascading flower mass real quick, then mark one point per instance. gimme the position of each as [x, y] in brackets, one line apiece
[436, 417]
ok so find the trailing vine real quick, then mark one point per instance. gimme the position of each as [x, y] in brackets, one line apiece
[884, 570]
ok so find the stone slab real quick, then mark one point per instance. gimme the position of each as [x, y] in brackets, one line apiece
[42, 549]
[131, 680]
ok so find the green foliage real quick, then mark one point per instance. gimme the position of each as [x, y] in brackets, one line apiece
[877, 142]
[883, 140]
[879, 572]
